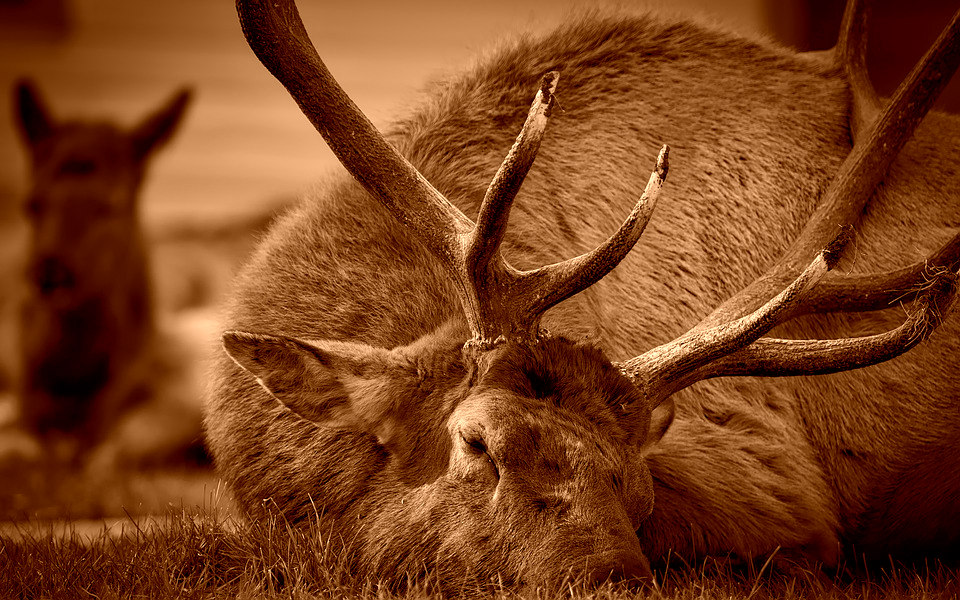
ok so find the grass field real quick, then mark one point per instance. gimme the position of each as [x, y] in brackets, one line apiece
[174, 533]
[208, 553]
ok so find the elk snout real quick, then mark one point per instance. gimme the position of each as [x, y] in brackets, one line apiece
[619, 560]
[632, 569]
[50, 274]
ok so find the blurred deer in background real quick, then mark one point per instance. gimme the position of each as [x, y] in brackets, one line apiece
[99, 381]
[389, 373]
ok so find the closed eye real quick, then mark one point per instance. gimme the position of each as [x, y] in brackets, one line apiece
[476, 444]
[478, 447]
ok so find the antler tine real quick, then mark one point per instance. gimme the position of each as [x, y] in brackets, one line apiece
[778, 357]
[655, 369]
[275, 32]
[492, 309]
[860, 173]
[495, 209]
[876, 291]
[850, 53]
[769, 357]
[554, 283]
[670, 368]
[512, 302]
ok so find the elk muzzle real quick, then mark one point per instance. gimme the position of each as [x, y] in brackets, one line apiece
[630, 568]
[592, 554]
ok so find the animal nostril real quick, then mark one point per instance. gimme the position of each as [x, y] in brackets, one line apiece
[50, 274]
[632, 570]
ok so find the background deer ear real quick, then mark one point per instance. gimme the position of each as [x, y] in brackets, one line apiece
[32, 115]
[158, 128]
[660, 420]
[335, 384]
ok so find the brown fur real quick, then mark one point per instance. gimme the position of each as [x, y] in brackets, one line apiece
[98, 379]
[806, 464]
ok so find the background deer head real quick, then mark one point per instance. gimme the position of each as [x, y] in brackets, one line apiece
[88, 312]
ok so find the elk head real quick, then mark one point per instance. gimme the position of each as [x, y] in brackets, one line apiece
[501, 450]
[84, 183]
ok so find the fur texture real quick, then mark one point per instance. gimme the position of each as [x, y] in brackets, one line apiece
[809, 465]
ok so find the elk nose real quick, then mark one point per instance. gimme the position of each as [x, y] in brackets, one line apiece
[50, 274]
[630, 569]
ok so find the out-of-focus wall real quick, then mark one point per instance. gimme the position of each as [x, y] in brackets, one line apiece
[900, 32]
[245, 143]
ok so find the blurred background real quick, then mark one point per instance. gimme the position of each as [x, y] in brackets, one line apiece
[244, 148]
[244, 142]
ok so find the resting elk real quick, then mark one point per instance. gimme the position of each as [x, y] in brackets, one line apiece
[101, 382]
[404, 369]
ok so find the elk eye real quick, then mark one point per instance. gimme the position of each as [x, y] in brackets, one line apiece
[100, 209]
[475, 443]
[477, 446]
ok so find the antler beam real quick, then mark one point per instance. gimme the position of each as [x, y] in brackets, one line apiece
[776, 357]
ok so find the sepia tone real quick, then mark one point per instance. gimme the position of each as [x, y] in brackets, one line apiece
[453, 436]
[219, 158]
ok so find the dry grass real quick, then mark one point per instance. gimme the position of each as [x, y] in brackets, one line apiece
[203, 551]
[206, 553]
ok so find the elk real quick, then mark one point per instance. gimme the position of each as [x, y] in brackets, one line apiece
[401, 367]
[100, 382]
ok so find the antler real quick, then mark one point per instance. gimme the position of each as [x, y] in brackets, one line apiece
[737, 348]
[859, 174]
[850, 54]
[499, 301]
[725, 343]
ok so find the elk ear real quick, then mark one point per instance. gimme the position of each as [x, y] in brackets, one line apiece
[334, 384]
[661, 418]
[34, 118]
[158, 128]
